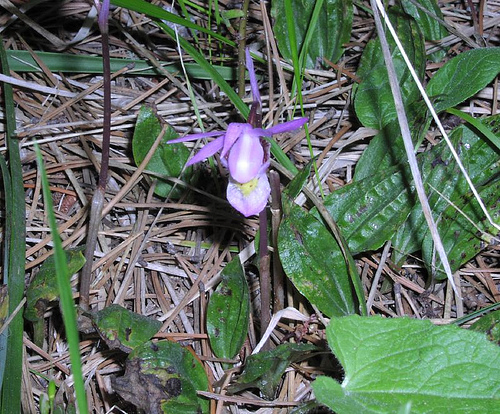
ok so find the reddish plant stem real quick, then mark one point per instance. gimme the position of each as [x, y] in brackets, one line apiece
[278, 273]
[265, 276]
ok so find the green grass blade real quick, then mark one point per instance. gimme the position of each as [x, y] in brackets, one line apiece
[8, 212]
[65, 294]
[477, 125]
[309, 34]
[11, 387]
[298, 67]
[22, 61]
[161, 14]
[205, 65]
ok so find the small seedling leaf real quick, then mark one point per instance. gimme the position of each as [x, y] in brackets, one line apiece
[163, 377]
[123, 329]
[264, 370]
[44, 289]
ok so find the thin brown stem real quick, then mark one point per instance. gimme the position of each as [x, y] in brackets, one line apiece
[241, 49]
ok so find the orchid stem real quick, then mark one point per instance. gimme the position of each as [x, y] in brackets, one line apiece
[265, 279]
[278, 273]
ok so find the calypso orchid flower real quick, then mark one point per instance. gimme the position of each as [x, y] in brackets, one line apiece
[245, 152]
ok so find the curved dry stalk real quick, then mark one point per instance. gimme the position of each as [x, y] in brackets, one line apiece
[405, 132]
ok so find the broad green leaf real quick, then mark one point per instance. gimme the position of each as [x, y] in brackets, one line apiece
[228, 311]
[43, 289]
[430, 27]
[313, 261]
[441, 171]
[490, 325]
[123, 329]
[264, 369]
[163, 377]
[168, 160]
[461, 239]
[374, 103]
[332, 28]
[463, 76]
[371, 210]
[389, 363]
[386, 149]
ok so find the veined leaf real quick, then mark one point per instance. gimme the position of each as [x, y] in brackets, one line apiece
[389, 363]
[480, 160]
[370, 211]
[463, 76]
[228, 311]
[430, 27]
[374, 103]
[332, 28]
[461, 239]
[311, 257]
[264, 370]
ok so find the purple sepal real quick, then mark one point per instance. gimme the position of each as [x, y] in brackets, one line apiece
[284, 127]
[253, 79]
[208, 150]
[194, 137]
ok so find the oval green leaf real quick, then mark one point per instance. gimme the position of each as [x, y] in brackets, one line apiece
[463, 76]
[313, 261]
[228, 311]
[123, 329]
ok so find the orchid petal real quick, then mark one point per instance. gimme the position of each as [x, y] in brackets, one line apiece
[208, 150]
[246, 157]
[234, 130]
[253, 78]
[194, 137]
[251, 199]
[284, 127]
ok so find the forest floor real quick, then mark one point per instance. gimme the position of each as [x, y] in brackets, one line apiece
[161, 257]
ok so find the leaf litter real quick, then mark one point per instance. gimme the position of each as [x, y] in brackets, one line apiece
[196, 236]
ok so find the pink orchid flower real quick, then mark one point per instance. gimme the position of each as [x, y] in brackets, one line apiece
[245, 153]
